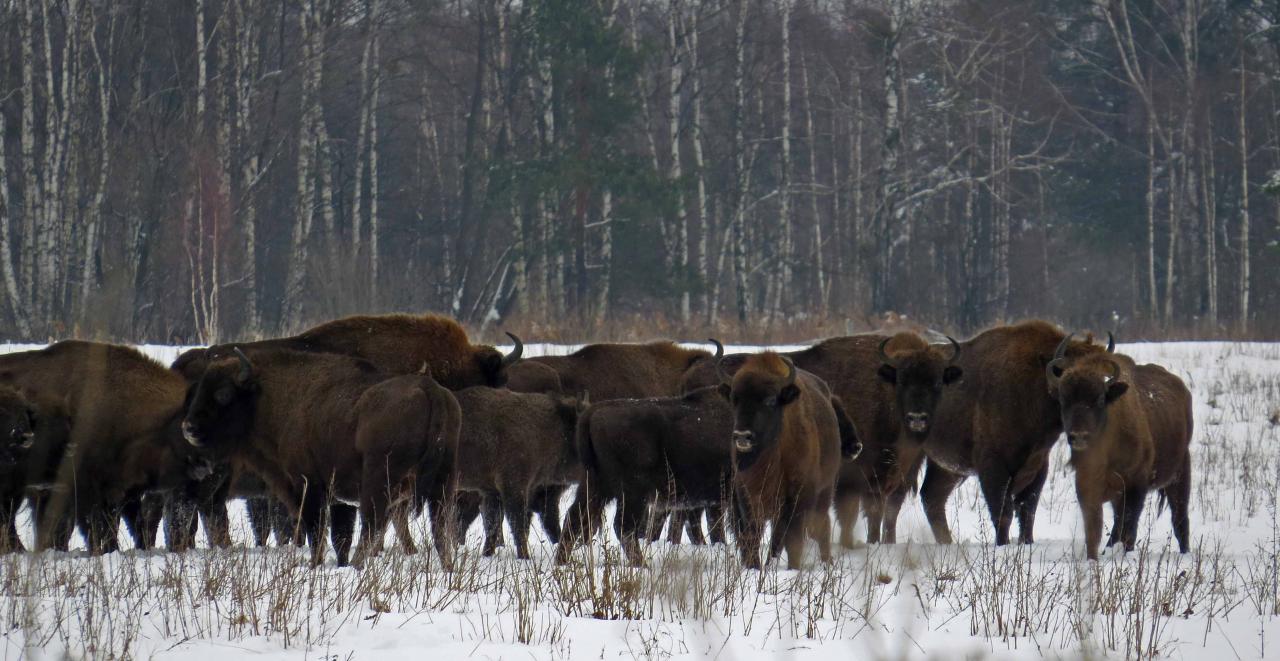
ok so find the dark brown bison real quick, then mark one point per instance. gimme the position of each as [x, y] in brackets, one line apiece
[32, 440]
[394, 343]
[880, 380]
[322, 427]
[1129, 427]
[673, 451]
[511, 445]
[122, 409]
[999, 423]
[605, 372]
[786, 449]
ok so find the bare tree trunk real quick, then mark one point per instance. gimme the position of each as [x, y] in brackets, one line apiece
[33, 210]
[785, 251]
[675, 172]
[88, 274]
[819, 280]
[246, 66]
[374, 221]
[740, 172]
[308, 143]
[6, 248]
[1242, 287]
[699, 163]
[1153, 294]
[604, 280]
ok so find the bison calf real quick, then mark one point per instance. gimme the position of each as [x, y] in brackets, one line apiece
[319, 427]
[672, 451]
[1129, 427]
[787, 450]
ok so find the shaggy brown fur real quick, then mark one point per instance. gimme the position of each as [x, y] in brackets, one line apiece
[1129, 427]
[787, 451]
[322, 426]
[511, 446]
[123, 408]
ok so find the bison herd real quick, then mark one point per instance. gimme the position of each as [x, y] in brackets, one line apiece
[393, 415]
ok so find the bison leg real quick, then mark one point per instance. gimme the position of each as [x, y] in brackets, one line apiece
[259, 510]
[10, 543]
[100, 526]
[938, 485]
[819, 527]
[1026, 502]
[893, 506]
[1134, 500]
[693, 527]
[793, 534]
[546, 502]
[311, 516]
[469, 506]
[995, 483]
[287, 527]
[748, 530]
[516, 506]
[875, 517]
[581, 520]
[53, 526]
[847, 506]
[342, 530]
[1117, 520]
[631, 519]
[404, 532]
[180, 522]
[491, 511]
[1179, 496]
[441, 508]
[217, 525]
[1092, 512]
[716, 523]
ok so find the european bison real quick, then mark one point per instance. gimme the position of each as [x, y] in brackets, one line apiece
[32, 439]
[786, 448]
[122, 409]
[319, 427]
[511, 445]
[640, 452]
[394, 343]
[1129, 427]
[604, 372]
[999, 423]
[865, 380]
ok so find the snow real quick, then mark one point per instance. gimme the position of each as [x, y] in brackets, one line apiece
[912, 600]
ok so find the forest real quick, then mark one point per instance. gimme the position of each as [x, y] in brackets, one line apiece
[192, 171]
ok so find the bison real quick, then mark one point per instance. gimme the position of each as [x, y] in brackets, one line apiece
[319, 427]
[638, 452]
[1129, 427]
[786, 450]
[999, 423]
[511, 445]
[880, 380]
[33, 437]
[122, 408]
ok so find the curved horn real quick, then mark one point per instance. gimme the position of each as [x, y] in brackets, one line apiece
[722, 375]
[719, 349]
[246, 367]
[791, 372]
[1111, 342]
[1062, 347]
[956, 346]
[884, 357]
[511, 358]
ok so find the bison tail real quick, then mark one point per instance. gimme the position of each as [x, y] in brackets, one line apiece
[850, 446]
[1160, 503]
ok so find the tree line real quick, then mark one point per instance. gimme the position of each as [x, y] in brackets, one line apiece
[212, 169]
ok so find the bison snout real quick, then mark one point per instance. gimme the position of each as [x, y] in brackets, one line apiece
[26, 440]
[189, 433]
[744, 440]
[1079, 440]
[918, 422]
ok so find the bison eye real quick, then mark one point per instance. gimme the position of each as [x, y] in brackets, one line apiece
[223, 396]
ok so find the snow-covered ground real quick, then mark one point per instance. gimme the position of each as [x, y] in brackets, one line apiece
[912, 600]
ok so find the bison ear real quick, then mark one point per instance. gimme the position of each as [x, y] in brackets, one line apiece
[888, 374]
[788, 394]
[725, 390]
[952, 374]
[491, 366]
[1115, 389]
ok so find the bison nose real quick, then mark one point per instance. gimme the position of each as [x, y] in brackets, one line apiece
[189, 433]
[27, 439]
[918, 422]
[743, 440]
[1079, 440]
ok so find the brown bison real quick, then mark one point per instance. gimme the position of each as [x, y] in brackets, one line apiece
[604, 372]
[394, 343]
[999, 423]
[32, 440]
[320, 427]
[511, 445]
[122, 409]
[884, 384]
[786, 449]
[1129, 427]
[638, 452]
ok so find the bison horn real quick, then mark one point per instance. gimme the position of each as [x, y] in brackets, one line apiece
[884, 357]
[1111, 342]
[511, 358]
[719, 348]
[956, 346]
[246, 367]
[1062, 347]
[791, 372]
[722, 375]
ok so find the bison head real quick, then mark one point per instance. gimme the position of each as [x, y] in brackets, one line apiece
[918, 377]
[1085, 390]
[759, 396]
[17, 426]
[493, 365]
[220, 406]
